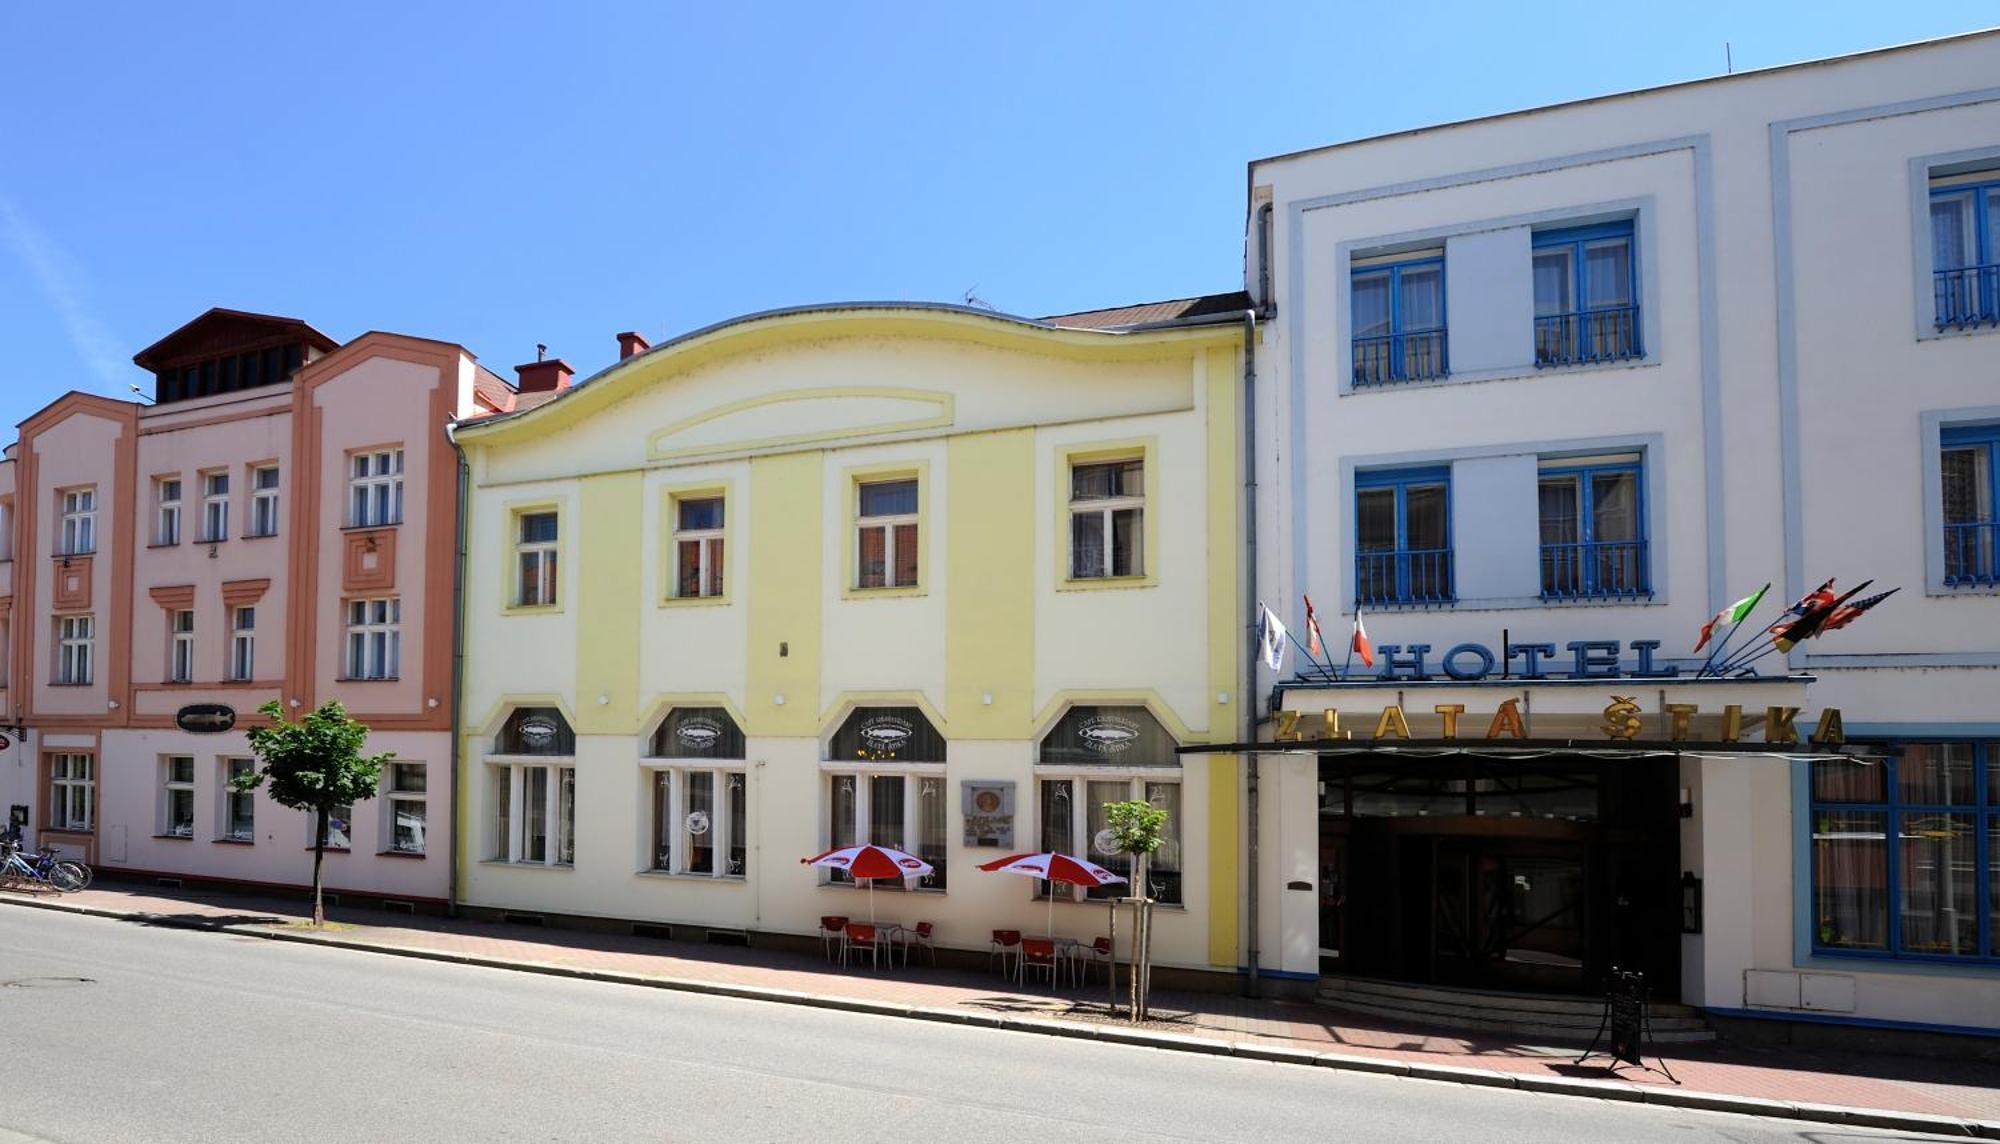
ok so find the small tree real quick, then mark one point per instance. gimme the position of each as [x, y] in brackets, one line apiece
[1138, 828]
[314, 764]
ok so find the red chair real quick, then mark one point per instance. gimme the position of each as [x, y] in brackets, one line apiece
[831, 929]
[1096, 953]
[1038, 953]
[859, 938]
[923, 937]
[1006, 943]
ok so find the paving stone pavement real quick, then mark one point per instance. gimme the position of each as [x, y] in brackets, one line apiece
[1961, 1088]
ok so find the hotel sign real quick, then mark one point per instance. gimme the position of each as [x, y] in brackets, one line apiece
[1579, 659]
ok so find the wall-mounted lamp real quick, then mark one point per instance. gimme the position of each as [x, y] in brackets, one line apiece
[1222, 697]
[431, 702]
[604, 701]
[295, 702]
[778, 700]
[987, 699]
[1690, 902]
[112, 704]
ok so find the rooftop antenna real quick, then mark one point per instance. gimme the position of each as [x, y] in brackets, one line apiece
[541, 351]
[1728, 58]
[973, 299]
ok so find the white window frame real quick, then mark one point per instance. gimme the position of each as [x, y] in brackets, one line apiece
[226, 825]
[214, 506]
[180, 648]
[888, 524]
[79, 522]
[374, 645]
[171, 785]
[6, 529]
[396, 797]
[167, 494]
[914, 776]
[243, 643]
[75, 644]
[667, 788]
[375, 488]
[1106, 509]
[713, 558]
[536, 562]
[510, 778]
[1136, 780]
[264, 501]
[72, 785]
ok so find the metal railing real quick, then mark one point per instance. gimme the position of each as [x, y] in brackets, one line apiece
[1967, 296]
[1969, 553]
[1608, 333]
[1391, 358]
[1408, 576]
[1610, 569]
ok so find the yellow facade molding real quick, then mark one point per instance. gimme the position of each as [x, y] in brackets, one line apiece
[1152, 701]
[656, 713]
[942, 403]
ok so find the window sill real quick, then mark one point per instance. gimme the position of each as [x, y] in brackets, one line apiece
[165, 544]
[72, 555]
[851, 886]
[234, 841]
[368, 679]
[1969, 330]
[212, 540]
[70, 683]
[370, 527]
[1503, 373]
[1992, 589]
[885, 593]
[1100, 583]
[174, 837]
[416, 854]
[1865, 961]
[530, 609]
[694, 601]
[504, 864]
[674, 876]
[1597, 598]
[258, 535]
[334, 849]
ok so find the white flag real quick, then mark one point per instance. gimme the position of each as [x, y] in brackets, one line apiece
[1271, 638]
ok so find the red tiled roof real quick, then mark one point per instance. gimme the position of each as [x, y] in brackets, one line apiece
[1147, 312]
[492, 390]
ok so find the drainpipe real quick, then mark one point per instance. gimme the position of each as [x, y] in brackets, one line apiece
[1246, 699]
[457, 666]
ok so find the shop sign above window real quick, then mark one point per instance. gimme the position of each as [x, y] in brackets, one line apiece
[887, 734]
[1108, 736]
[536, 731]
[698, 733]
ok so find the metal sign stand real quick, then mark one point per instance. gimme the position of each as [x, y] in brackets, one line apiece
[1629, 1023]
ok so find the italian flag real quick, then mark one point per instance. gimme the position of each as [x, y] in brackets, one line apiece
[1733, 614]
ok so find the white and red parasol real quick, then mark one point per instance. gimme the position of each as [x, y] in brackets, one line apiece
[1055, 868]
[867, 863]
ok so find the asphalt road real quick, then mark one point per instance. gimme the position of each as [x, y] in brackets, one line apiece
[121, 1032]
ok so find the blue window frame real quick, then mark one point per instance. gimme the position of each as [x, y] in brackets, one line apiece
[1965, 252]
[1906, 852]
[1402, 536]
[1399, 321]
[1969, 465]
[1593, 530]
[1586, 295]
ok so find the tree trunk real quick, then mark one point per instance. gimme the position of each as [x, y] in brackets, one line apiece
[1142, 938]
[1111, 966]
[319, 856]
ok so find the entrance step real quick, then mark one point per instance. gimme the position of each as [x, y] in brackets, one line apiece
[1543, 1016]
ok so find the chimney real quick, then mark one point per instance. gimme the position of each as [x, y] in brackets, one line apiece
[630, 343]
[544, 376]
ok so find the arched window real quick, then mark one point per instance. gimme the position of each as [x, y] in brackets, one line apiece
[886, 735]
[886, 786]
[697, 733]
[536, 731]
[700, 793]
[1095, 756]
[532, 805]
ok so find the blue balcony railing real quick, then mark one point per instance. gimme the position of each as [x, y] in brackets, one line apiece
[1392, 358]
[1969, 554]
[1967, 296]
[1409, 576]
[1598, 569]
[1609, 333]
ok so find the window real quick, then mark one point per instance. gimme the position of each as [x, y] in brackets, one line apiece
[886, 534]
[1586, 295]
[72, 792]
[375, 488]
[698, 537]
[180, 657]
[409, 807]
[700, 796]
[6, 529]
[536, 731]
[264, 501]
[535, 559]
[536, 813]
[214, 507]
[74, 641]
[177, 803]
[904, 811]
[1970, 471]
[79, 522]
[1593, 528]
[1107, 511]
[1965, 249]
[243, 644]
[239, 807]
[1906, 852]
[339, 827]
[167, 499]
[1098, 755]
[1398, 318]
[374, 638]
[1402, 536]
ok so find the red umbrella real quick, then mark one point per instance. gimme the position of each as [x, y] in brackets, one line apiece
[1055, 868]
[867, 863]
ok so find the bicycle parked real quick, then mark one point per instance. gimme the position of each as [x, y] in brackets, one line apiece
[43, 868]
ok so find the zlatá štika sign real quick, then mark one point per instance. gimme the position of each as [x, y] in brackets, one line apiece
[1621, 721]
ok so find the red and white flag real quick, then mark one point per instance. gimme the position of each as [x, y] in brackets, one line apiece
[1360, 645]
[1313, 641]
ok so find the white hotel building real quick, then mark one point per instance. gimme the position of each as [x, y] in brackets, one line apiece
[1590, 373]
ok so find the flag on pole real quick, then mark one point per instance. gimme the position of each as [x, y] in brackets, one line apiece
[1815, 618]
[1313, 641]
[1733, 614]
[1359, 644]
[1820, 597]
[1848, 613]
[1271, 638]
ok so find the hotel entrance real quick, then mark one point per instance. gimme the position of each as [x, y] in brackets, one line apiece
[1519, 874]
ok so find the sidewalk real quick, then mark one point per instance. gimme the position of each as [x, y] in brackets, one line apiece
[1954, 1096]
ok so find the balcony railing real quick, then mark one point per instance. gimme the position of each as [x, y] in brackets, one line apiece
[1392, 358]
[1609, 333]
[1409, 576]
[1967, 296]
[1598, 569]
[1969, 554]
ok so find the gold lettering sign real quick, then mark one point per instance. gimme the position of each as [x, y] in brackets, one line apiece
[1621, 718]
[1392, 722]
[1732, 722]
[1330, 725]
[1829, 731]
[1449, 713]
[1508, 719]
[1778, 725]
[1288, 726]
[1677, 721]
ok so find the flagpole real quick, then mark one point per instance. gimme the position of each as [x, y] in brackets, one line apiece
[1745, 659]
[1307, 654]
[1719, 648]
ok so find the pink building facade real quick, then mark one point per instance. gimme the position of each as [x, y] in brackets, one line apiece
[279, 523]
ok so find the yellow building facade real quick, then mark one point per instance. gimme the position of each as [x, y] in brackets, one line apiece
[915, 575]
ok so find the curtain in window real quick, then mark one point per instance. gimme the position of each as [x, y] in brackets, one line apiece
[1552, 282]
[1163, 870]
[1614, 506]
[874, 558]
[1851, 879]
[1849, 780]
[1375, 520]
[664, 828]
[699, 821]
[535, 812]
[1423, 299]
[1086, 544]
[1559, 509]
[840, 827]
[885, 810]
[1371, 305]
[501, 780]
[1424, 511]
[1940, 909]
[931, 829]
[906, 554]
[1608, 270]
[889, 498]
[1934, 774]
[1967, 489]
[1951, 233]
[1127, 542]
[739, 825]
[1058, 834]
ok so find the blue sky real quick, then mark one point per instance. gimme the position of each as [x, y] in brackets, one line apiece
[503, 174]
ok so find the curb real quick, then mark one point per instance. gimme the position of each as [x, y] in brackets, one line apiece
[1617, 1090]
